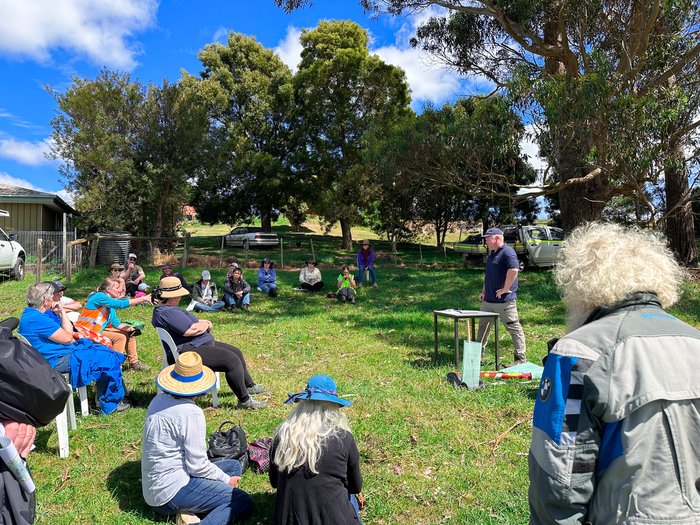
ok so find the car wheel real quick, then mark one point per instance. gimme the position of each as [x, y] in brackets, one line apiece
[18, 271]
[522, 264]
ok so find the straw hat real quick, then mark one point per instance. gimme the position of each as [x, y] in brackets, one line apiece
[187, 377]
[319, 388]
[171, 287]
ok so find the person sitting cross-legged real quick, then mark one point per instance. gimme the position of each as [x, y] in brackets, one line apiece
[84, 360]
[176, 475]
[237, 291]
[205, 295]
[310, 277]
[194, 335]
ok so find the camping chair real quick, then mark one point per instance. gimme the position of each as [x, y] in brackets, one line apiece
[169, 346]
[67, 416]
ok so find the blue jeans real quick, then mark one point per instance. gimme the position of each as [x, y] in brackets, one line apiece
[221, 502]
[218, 305]
[232, 300]
[361, 273]
[266, 287]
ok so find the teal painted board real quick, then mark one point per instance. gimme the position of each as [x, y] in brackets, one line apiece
[471, 363]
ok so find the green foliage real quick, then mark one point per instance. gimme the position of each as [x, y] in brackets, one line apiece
[341, 92]
[249, 93]
[128, 151]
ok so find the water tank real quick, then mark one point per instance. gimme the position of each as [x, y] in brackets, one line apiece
[113, 250]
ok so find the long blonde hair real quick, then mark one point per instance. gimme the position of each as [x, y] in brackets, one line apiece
[301, 435]
[601, 264]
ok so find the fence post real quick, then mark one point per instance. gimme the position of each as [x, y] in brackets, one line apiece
[185, 251]
[245, 248]
[39, 256]
[420, 248]
[93, 250]
[444, 251]
[68, 252]
[281, 253]
[221, 253]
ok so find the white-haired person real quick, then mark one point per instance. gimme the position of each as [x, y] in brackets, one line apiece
[194, 335]
[617, 414]
[176, 475]
[314, 461]
[84, 360]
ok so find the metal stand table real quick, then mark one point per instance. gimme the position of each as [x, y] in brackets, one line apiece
[471, 315]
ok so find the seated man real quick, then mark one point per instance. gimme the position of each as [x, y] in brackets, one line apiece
[194, 335]
[133, 276]
[71, 306]
[205, 296]
[168, 272]
[86, 361]
[237, 291]
[99, 315]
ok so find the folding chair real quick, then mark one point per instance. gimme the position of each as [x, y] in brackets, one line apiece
[169, 346]
[67, 416]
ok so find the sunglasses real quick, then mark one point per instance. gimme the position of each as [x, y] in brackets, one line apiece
[117, 269]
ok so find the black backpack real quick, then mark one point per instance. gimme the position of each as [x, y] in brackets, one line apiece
[228, 444]
[30, 390]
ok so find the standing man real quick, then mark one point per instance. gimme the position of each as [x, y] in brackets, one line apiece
[615, 427]
[133, 275]
[498, 293]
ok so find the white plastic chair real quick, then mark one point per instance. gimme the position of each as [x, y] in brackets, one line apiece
[167, 341]
[67, 416]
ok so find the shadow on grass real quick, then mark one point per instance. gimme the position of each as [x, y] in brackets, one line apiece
[264, 506]
[124, 483]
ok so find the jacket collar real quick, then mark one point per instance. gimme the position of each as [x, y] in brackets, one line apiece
[633, 301]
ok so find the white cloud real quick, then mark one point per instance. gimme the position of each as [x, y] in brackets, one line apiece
[221, 35]
[23, 152]
[99, 30]
[529, 147]
[9, 180]
[289, 49]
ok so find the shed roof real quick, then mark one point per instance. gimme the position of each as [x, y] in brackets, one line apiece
[18, 194]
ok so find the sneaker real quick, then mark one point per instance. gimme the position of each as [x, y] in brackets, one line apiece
[251, 404]
[299, 289]
[259, 289]
[121, 407]
[375, 285]
[246, 307]
[139, 366]
[185, 518]
[343, 298]
[257, 389]
[516, 363]
[352, 300]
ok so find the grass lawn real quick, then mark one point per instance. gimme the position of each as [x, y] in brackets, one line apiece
[426, 448]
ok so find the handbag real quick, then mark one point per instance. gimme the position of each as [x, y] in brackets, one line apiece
[259, 455]
[30, 390]
[228, 444]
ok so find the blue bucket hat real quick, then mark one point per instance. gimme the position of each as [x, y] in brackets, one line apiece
[319, 388]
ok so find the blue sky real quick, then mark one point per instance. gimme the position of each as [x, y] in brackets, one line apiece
[46, 42]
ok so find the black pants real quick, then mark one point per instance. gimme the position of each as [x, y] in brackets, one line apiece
[131, 289]
[221, 357]
[312, 287]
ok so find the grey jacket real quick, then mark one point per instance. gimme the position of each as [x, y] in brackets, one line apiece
[616, 437]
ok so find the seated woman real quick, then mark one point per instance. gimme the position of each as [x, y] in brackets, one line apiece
[205, 297]
[236, 290]
[100, 315]
[310, 277]
[267, 278]
[314, 461]
[176, 475]
[194, 335]
[84, 360]
[115, 272]
[168, 272]
[365, 261]
[346, 285]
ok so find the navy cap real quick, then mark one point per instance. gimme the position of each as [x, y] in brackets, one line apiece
[492, 231]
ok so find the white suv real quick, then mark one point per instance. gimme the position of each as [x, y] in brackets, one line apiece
[12, 256]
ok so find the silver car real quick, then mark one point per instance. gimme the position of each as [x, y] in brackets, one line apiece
[251, 236]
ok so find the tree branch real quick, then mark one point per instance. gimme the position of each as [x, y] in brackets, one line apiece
[691, 54]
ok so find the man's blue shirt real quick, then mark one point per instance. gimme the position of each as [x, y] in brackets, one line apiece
[37, 328]
[497, 265]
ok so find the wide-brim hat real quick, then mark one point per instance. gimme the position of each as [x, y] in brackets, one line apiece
[187, 377]
[364, 241]
[116, 266]
[171, 287]
[319, 388]
[311, 261]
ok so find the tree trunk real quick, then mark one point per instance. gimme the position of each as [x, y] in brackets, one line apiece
[266, 216]
[680, 229]
[346, 233]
